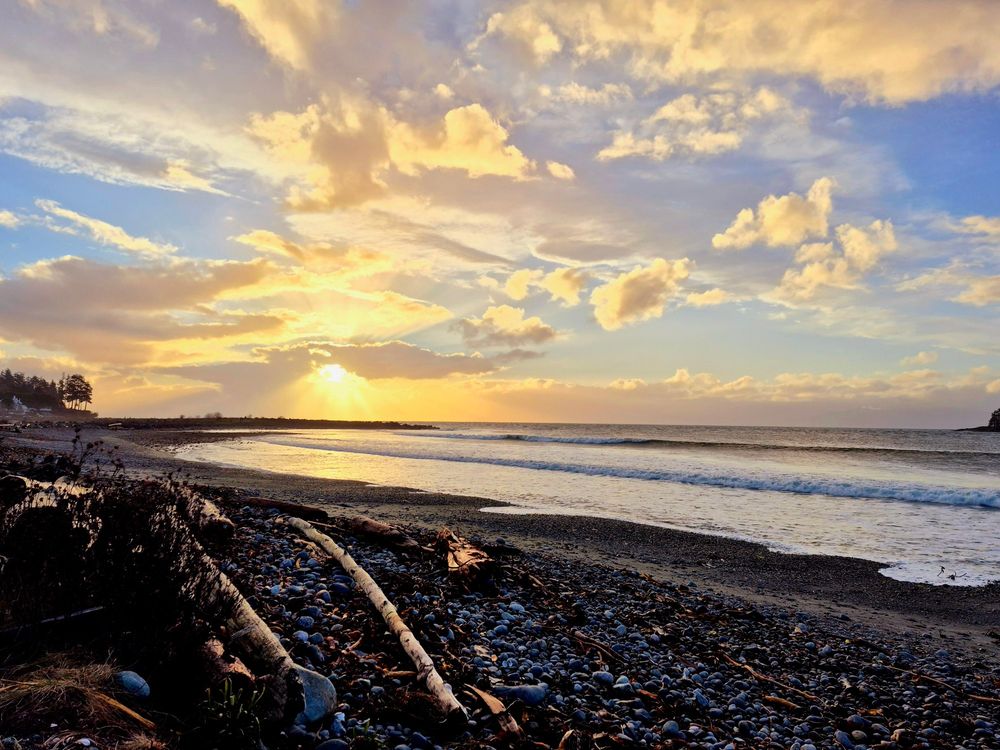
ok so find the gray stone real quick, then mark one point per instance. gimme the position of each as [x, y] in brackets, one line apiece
[319, 694]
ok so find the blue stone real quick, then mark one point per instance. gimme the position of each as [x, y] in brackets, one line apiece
[529, 695]
[132, 684]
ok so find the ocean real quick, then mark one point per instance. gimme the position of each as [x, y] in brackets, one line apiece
[926, 503]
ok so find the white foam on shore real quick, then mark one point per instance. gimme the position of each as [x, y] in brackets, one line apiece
[903, 492]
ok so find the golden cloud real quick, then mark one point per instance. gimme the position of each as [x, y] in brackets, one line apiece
[503, 325]
[639, 294]
[883, 51]
[785, 220]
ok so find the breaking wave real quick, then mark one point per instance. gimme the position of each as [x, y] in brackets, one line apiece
[914, 493]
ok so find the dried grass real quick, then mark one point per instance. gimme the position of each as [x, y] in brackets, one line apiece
[76, 697]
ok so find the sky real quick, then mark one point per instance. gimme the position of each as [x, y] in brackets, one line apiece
[654, 211]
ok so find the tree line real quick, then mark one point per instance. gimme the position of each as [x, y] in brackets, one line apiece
[71, 392]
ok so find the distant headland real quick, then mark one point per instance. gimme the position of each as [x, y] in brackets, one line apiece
[992, 426]
[218, 422]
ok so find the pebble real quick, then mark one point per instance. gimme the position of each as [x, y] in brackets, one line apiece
[666, 686]
[132, 684]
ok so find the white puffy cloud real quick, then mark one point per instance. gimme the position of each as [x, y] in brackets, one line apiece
[335, 154]
[639, 294]
[781, 220]
[338, 153]
[9, 220]
[864, 247]
[503, 325]
[107, 234]
[565, 285]
[519, 283]
[562, 284]
[468, 138]
[861, 249]
[920, 358]
[693, 125]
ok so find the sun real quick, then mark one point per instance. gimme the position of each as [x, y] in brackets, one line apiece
[332, 373]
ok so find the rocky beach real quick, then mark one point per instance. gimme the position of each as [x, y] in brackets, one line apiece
[595, 633]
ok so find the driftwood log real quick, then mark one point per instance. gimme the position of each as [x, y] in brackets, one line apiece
[292, 509]
[254, 639]
[383, 532]
[426, 671]
[465, 561]
[204, 515]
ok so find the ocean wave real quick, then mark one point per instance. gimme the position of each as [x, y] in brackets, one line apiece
[914, 493]
[708, 444]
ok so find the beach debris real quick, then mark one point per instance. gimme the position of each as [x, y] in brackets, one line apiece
[383, 532]
[220, 666]
[508, 726]
[466, 561]
[205, 516]
[764, 678]
[295, 509]
[426, 671]
[256, 641]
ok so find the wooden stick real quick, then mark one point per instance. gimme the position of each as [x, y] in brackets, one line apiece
[757, 675]
[775, 700]
[942, 683]
[426, 671]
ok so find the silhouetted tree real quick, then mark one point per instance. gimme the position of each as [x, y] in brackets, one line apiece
[76, 391]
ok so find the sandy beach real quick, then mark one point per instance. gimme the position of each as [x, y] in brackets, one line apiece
[842, 587]
[592, 633]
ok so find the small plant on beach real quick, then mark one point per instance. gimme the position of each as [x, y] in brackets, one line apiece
[229, 718]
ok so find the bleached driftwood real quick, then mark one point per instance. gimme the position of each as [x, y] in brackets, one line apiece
[256, 641]
[205, 516]
[426, 670]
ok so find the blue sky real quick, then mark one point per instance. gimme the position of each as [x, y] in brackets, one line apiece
[631, 210]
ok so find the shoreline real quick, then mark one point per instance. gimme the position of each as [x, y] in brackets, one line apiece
[838, 587]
